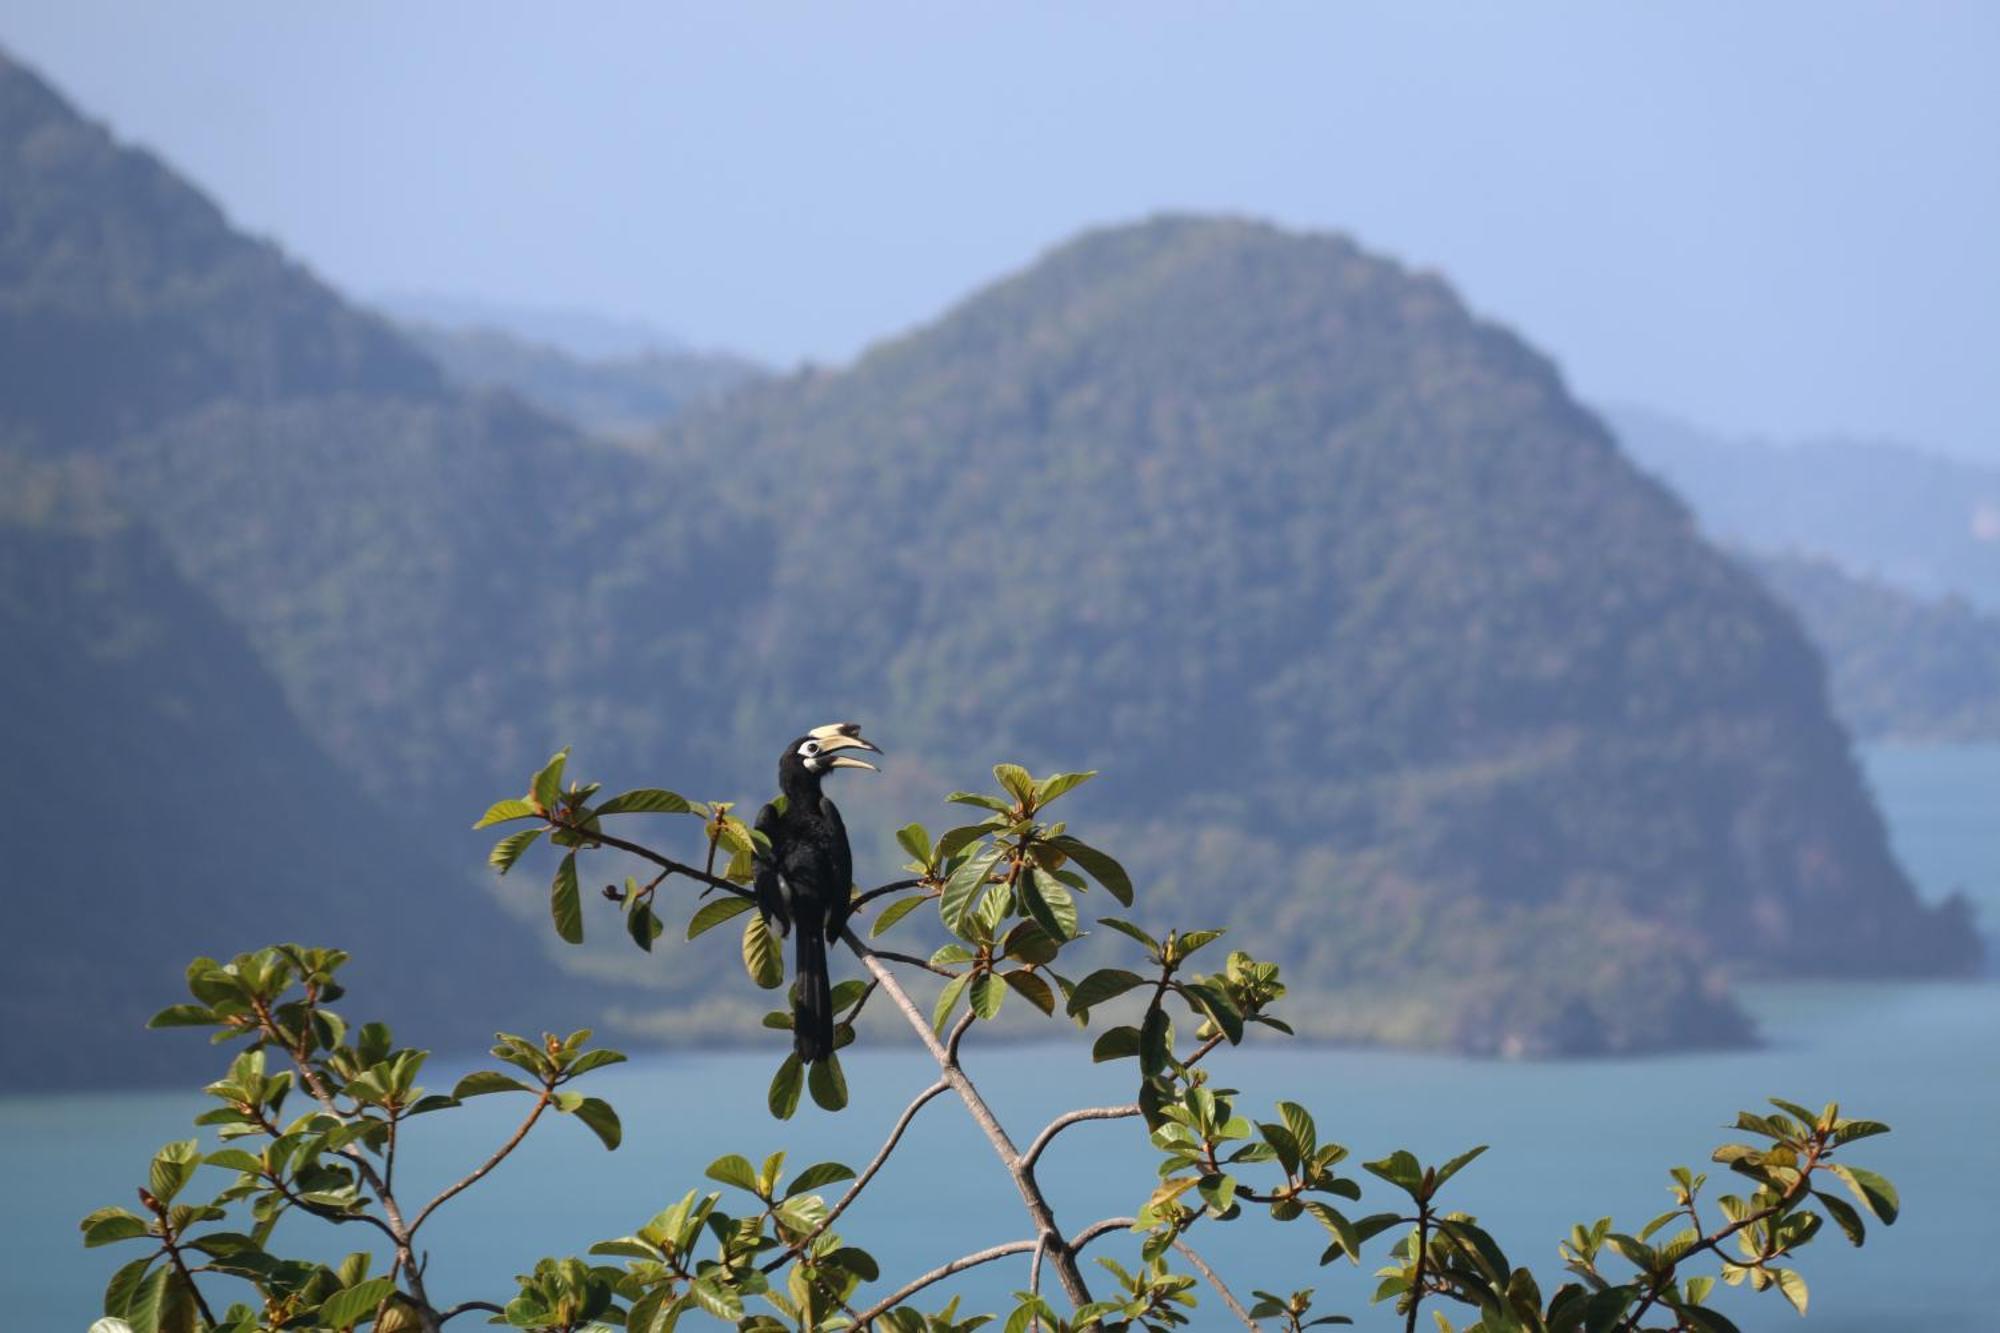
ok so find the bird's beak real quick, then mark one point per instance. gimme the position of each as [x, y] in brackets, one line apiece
[845, 736]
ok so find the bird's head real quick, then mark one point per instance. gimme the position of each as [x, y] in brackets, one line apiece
[818, 752]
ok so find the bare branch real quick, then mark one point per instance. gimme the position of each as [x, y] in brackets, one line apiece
[467, 1307]
[1064, 1121]
[1221, 1288]
[1096, 1229]
[982, 1115]
[861, 1181]
[939, 1274]
[886, 889]
[500, 1155]
[666, 863]
[913, 961]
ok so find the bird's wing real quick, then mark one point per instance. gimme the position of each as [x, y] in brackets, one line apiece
[842, 856]
[770, 884]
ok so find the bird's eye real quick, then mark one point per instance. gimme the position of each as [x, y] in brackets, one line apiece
[809, 748]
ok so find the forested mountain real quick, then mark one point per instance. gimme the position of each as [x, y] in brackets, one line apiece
[1883, 511]
[1389, 657]
[161, 786]
[1901, 666]
[1890, 557]
[613, 397]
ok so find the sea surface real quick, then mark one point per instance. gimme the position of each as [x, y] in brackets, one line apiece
[1568, 1141]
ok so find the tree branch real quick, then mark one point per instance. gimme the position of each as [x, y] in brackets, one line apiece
[467, 1307]
[982, 1115]
[939, 1274]
[886, 889]
[1064, 1121]
[1221, 1288]
[1096, 1229]
[500, 1155]
[666, 863]
[861, 1181]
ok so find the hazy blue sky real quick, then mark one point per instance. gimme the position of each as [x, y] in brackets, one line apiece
[1778, 217]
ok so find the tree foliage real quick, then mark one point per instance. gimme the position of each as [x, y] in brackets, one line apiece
[309, 1111]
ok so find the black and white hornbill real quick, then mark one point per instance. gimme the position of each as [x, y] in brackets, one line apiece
[806, 880]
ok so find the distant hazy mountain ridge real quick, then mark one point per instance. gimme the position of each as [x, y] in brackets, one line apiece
[1391, 660]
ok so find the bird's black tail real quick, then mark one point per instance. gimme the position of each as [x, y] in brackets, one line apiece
[812, 998]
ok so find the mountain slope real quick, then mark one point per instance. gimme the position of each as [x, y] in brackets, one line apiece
[1391, 660]
[1883, 511]
[107, 257]
[179, 810]
[1326, 573]
[617, 396]
[1902, 667]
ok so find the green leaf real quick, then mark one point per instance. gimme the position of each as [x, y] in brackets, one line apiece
[508, 850]
[1015, 780]
[1104, 984]
[1215, 1002]
[566, 902]
[173, 1166]
[183, 1016]
[1845, 1216]
[502, 811]
[1100, 867]
[596, 1113]
[107, 1225]
[345, 1309]
[761, 956]
[816, 1175]
[1871, 1189]
[733, 1169]
[895, 912]
[988, 992]
[713, 914]
[1057, 784]
[1032, 989]
[647, 801]
[948, 999]
[1119, 1043]
[963, 889]
[124, 1283]
[786, 1085]
[1399, 1168]
[980, 799]
[546, 790]
[1451, 1168]
[1128, 929]
[1793, 1286]
[828, 1084]
[484, 1081]
[916, 840]
[1048, 901]
[643, 926]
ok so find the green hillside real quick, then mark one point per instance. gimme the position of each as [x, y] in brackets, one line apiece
[1901, 667]
[1365, 620]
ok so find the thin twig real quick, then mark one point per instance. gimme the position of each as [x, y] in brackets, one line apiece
[500, 1155]
[1064, 1121]
[467, 1307]
[666, 863]
[913, 961]
[897, 887]
[939, 1274]
[1221, 1288]
[1096, 1229]
[982, 1115]
[861, 1181]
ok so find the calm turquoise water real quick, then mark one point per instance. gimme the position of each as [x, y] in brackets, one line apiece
[1566, 1138]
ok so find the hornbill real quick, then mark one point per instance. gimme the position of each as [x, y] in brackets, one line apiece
[806, 879]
